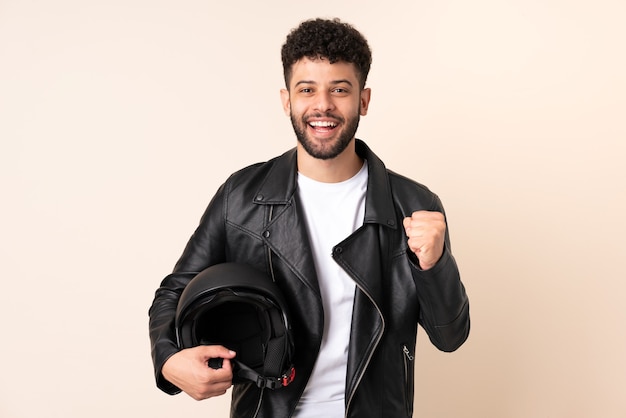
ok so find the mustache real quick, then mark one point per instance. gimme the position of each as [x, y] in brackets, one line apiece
[326, 115]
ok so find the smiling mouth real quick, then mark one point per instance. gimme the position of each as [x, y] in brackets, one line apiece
[323, 125]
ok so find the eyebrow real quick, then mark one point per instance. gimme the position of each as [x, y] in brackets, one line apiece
[334, 82]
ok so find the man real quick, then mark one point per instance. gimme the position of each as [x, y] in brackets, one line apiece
[361, 253]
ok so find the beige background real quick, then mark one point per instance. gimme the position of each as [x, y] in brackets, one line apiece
[119, 119]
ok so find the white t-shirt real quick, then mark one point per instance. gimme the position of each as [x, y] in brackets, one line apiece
[333, 211]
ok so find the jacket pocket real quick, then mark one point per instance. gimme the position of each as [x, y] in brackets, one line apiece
[409, 384]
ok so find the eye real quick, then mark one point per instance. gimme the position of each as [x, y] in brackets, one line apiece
[341, 90]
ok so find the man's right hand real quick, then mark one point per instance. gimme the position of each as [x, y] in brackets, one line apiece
[188, 369]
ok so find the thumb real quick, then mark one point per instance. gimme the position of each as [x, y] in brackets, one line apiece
[217, 351]
[406, 222]
[227, 353]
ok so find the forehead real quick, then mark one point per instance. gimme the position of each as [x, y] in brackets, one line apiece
[320, 70]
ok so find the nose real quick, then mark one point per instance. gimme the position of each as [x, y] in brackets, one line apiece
[323, 102]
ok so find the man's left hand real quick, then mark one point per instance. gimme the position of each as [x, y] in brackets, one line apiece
[426, 232]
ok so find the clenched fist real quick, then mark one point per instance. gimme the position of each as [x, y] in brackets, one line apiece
[426, 232]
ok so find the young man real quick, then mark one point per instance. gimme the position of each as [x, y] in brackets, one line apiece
[361, 253]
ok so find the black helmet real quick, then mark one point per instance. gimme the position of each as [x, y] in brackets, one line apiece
[236, 306]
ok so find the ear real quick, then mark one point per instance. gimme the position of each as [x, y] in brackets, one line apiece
[366, 95]
[284, 98]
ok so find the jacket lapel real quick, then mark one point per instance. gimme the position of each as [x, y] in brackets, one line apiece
[286, 232]
[368, 323]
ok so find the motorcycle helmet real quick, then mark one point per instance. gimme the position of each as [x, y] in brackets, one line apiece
[241, 308]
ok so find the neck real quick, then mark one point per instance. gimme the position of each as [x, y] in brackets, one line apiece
[341, 168]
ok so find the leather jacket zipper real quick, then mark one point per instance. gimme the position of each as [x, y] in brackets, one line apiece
[408, 387]
[407, 353]
[269, 250]
[369, 358]
[271, 267]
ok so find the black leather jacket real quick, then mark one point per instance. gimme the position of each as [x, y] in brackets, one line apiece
[256, 218]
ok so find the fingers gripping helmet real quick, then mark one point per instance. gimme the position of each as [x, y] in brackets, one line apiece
[236, 306]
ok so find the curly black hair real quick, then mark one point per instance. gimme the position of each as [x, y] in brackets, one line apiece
[331, 39]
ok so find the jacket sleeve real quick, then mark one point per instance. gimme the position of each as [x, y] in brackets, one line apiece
[204, 248]
[444, 312]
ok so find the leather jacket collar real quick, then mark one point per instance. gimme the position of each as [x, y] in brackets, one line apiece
[281, 183]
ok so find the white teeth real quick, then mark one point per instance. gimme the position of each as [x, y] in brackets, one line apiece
[323, 124]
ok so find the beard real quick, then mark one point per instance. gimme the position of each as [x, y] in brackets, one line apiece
[329, 149]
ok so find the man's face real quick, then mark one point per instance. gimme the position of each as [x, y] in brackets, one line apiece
[324, 102]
